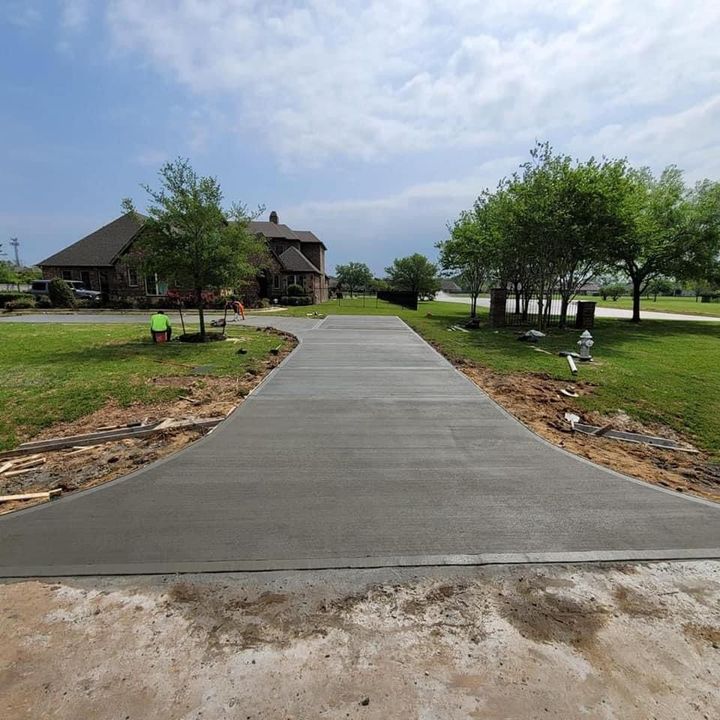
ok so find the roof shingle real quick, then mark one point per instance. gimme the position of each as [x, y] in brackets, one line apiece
[102, 247]
[272, 230]
[294, 261]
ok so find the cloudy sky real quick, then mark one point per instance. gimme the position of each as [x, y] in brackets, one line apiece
[371, 123]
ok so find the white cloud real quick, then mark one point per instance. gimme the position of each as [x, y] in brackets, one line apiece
[20, 13]
[150, 157]
[380, 227]
[328, 78]
[74, 14]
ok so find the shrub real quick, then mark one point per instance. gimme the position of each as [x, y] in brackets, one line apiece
[295, 290]
[61, 295]
[10, 296]
[20, 304]
[263, 303]
[613, 290]
[288, 300]
[43, 302]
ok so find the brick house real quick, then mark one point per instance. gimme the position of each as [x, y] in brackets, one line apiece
[99, 261]
[298, 259]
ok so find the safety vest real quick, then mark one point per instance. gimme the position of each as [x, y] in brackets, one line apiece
[159, 322]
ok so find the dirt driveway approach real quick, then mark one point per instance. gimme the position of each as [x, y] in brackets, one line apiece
[365, 448]
[627, 642]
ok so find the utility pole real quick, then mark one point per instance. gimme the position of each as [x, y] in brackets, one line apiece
[16, 244]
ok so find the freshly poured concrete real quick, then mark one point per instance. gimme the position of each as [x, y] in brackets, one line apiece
[365, 448]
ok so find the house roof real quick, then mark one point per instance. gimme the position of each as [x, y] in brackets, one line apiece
[294, 261]
[272, 230]
[309, 237]
[449, 286]
[102, 247]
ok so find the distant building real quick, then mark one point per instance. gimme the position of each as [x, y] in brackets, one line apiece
[449, 286]
[100, 261]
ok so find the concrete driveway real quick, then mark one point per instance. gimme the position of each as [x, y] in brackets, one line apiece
[364, 449]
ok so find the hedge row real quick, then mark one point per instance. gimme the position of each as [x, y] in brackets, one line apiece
[288, 300]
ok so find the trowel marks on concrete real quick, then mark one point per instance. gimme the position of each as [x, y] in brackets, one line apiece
[365, 448]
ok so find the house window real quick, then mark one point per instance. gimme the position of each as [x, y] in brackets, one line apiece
[276, 282]
[85, 277]
[133, 277]
[295, 280]
[67, 275]
[155, 286]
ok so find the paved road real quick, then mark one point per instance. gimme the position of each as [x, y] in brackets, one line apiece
[364, 449]
[604, 312]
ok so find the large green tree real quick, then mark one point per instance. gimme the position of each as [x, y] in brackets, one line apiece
[193, 243]
[668, 230]
[353, 275]
[414, 273]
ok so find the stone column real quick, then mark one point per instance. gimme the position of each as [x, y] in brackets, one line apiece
[498, 301]
[585, 318]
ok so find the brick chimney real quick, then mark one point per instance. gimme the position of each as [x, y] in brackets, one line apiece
[274, 217]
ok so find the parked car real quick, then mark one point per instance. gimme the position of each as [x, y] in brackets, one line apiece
[40, 288]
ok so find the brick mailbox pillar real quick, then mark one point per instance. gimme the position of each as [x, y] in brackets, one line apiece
[498, 301]
[585, 318]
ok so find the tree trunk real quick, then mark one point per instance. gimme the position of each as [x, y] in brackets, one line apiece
[182, 319]
[564, 310]
[473, 305]
[201, 314]
[637, 284]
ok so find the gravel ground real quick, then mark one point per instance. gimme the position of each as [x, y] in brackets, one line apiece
[600, 641]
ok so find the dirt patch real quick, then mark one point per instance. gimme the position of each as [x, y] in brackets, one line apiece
[535, 399]
[551, 617]
[202, 397]
[634, 603]
[339, 644]
[704, 633]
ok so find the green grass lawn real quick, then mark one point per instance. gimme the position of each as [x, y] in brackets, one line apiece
[657, 371]
[59, 373]
[681, 305]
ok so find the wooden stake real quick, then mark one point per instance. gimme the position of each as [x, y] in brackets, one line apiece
[48, 495]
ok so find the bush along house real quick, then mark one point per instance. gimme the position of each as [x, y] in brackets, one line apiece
[100, 260]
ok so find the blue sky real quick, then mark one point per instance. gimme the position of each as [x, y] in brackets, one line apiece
[371, 123]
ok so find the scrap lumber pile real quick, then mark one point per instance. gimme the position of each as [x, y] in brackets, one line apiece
[31, 456]
[132, 430]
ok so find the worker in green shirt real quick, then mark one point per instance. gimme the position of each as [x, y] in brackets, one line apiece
[160, 323]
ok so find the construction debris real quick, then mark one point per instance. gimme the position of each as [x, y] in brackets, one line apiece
[569, 392]
[111, 435]
[47, 495]
[531, 336]
[607, 432]
[571, 363]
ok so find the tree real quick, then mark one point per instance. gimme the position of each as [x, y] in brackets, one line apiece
[7, 271]
[468, 252]
[667, 230]
[354, 275]
[613, 290]
[414, 274]
[191, 241]
[659, 286]
[61, 294]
